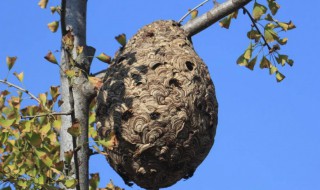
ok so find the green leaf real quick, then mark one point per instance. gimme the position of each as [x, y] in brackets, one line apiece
[282, 59]
[269, 18]
[252, 63]
[121, 39]
[225, 23]
[70, 183]
[265, 63]
[242, 61]
[279, 76]
[44, 157]
[94, 181]
[53, 26]
[254, 35]
[34, 139]
[10, 61]
[22, 183]
[6, 122]
[74, 130]
[247, 54]
[258, 10]
[282, 41]
[109, 142]
[269, 34]
[45, 129]
[290, 62]
[273, 6]
[104, 58]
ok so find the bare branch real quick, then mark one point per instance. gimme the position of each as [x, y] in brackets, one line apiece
[189, 12]
[202, 22]
[20, 89]
[46, 114]
[100, 74]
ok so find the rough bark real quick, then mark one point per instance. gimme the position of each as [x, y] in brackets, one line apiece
[202, 22]
[77, 94]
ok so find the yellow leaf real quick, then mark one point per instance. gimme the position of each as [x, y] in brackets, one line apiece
[70, 73]
[273, 6]
[247, 54]
[51, 58]
[282, 41]
[43, 98]
[43, 3]
[258, 10]
[194, 14]
[68, 156]
[104, 58]
[74, 130]
[269, 34]
[252, 63]
[68, 40]
[272, 69]
[45, 129]
[96, 82]
[19, 76]
[121, 39]
[265, 63]
[44, 157]
[53, 9]
[225, 23]
[110, 141]
[53, 26]
[242, 61]
[79, 50]
[71, 183]
[10, 61]
[279, 76]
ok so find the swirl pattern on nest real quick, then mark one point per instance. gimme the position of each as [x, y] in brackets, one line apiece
[160, 101]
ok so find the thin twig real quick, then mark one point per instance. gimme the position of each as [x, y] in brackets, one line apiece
[189, 12]
[21, 89]
[257, 28]
[99, 72]
[46, 114]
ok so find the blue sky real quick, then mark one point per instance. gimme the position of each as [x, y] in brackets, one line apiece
[268, 132]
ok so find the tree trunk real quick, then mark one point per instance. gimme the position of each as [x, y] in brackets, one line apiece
[76, 93]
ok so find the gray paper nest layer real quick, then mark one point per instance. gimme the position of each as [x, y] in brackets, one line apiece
[160, 101]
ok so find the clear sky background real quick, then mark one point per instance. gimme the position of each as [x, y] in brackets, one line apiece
[268, 135]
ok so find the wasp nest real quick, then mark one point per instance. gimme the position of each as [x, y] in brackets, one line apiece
[159, 101]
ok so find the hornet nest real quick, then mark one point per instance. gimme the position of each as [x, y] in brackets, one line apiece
[159, 101]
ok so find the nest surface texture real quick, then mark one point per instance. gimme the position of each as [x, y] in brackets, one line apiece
[159, 100]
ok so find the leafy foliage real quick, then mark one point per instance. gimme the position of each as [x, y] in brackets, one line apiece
[263, 15]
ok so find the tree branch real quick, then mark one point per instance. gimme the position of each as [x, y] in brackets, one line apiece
[257, 28]
[202, 22]
[20, 89]
[45, 114]
[189, 12]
